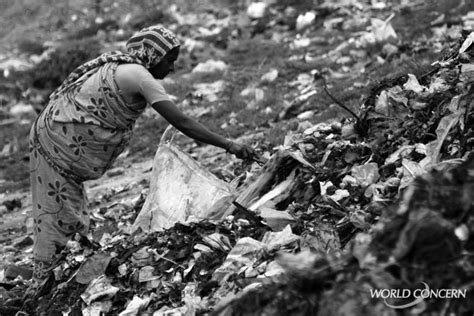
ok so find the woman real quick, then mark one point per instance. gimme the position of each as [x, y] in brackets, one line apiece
[88, 123]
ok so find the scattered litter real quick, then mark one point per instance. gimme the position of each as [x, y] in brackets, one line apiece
[277, 220]
[256, 10]
[22, 109]
[340, 208]
[305, 20]
[209, 91]
[244, 254]
[284, 238]
[383, 31]
[92, 268]
[101, 287]
[136, 305]
[210, 66]
[270, 76]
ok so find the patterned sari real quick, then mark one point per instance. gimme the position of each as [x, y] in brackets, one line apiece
[76, 138]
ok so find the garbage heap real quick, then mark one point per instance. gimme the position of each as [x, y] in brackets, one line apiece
[341, 210]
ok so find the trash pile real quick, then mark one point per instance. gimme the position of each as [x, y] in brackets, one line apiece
[405, 190]
[340, 209]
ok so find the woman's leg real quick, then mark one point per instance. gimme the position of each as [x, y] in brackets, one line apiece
[59, 211]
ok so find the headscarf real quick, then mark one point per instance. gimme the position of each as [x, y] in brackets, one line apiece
[147, 47]
[151, 44]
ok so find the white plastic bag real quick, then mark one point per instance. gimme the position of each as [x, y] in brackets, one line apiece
[181, 190]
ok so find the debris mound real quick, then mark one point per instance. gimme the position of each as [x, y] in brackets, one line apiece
[332, 217]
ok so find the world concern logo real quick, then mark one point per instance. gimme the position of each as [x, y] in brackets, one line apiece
[404, 298]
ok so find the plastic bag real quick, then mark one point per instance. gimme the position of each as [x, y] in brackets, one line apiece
[181, 190]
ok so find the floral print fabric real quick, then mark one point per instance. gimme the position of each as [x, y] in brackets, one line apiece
[76, 138]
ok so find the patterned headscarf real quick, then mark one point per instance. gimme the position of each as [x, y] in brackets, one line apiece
[151, 44]
[147, 47]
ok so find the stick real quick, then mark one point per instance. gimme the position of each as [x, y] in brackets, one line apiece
[337, 101]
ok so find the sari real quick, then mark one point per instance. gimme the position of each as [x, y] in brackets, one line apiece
[77, 137]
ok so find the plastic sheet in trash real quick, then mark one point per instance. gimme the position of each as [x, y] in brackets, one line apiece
[99, 288]
[181, 190]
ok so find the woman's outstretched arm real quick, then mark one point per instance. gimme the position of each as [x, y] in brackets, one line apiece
[192, 128]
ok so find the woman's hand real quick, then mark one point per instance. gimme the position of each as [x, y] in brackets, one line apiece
[242, 151]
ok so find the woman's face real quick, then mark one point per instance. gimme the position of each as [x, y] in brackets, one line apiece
[166, 65]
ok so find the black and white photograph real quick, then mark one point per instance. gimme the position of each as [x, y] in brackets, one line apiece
[237, 157]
